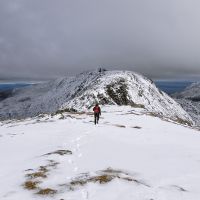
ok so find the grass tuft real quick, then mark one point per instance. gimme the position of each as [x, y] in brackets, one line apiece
[39, 174]
[102, 179]
[60, 152]
[47, 191]
[31, 185]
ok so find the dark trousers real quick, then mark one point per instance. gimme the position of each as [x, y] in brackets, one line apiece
[96, 118]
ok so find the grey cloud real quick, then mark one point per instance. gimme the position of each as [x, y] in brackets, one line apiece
[50, 38]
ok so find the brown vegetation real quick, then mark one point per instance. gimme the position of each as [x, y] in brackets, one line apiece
[60, 152]
[120, 126]
[103, 177]
[31, 185]
[184, 122]
[39, 174]
[46, 191]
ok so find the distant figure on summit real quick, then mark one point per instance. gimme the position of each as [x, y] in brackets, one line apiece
[97, 113]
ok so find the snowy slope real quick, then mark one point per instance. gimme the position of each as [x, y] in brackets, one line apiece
[190, 101]
[127, 156]
[84, 90]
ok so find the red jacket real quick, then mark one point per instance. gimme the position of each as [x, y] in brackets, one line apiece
[97, 109]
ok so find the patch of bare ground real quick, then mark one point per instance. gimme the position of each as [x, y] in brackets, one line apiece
[119, 125]
[41, 172]
[27, 170]
[102, 177]
[130, 113]
[137, 127]
[47, 191]
[153, 114]
[31, 185]
[70, 112]
[35, 178]
[52, 164]
[40, 121]
[62, 111]
[38, 174]
[184, 122]
[177, 120]
[59, 152]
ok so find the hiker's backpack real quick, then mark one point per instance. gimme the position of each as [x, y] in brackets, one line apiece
[96, 109]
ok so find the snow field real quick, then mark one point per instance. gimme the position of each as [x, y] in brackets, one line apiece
[162, 157]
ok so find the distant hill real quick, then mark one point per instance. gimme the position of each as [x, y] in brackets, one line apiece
[11, 86]
[190, 100]
[171, 87]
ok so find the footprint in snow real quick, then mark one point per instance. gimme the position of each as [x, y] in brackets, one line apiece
[70, 161]
[80, 155]
[75, 169]
[84, 194]
[9, 194]
[78, 139]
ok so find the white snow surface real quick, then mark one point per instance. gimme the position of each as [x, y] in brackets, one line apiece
[84, 90]
[162, 157]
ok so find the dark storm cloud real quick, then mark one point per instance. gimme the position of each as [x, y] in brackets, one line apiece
[43, 39]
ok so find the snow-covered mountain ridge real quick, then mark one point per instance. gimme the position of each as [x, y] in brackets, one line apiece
[84, 90]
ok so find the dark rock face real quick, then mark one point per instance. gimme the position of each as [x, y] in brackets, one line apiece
[195, 99]
[118, 92]
[5, 94]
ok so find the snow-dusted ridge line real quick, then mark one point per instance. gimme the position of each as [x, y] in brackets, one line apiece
[84, 90]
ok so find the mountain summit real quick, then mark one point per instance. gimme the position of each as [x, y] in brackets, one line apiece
[81, 92]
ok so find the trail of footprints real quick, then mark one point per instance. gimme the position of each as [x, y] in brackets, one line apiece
[34, 177]
[78, 154]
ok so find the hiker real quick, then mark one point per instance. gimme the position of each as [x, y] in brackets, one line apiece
[97, 113]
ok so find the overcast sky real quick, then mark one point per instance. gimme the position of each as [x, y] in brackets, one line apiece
[42, 39]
